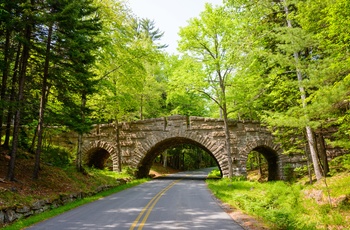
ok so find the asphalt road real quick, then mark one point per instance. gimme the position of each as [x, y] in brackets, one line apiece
[180, 201]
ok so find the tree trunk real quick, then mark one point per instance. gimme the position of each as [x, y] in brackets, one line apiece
[32, 146]
[165, 158]
[12, 96]
[227, 141]
[141, 107]
[323, 154]
[309, 133]
[4, 80]
[17, 121]
[79, 164]
[308, 164]
[119, 151]
[44, 89]
[259, 164]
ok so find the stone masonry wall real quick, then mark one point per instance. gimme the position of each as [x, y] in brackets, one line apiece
[141, 141]
[11, 214]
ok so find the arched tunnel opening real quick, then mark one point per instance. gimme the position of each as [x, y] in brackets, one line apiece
[180, 154]
[262, 164]
[98, 158]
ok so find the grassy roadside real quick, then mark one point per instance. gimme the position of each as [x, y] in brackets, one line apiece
[283, 205]
[55, 181]
[22, 223]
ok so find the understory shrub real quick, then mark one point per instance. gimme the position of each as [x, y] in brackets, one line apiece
[56, 156]
[278, 203]
[340, 164]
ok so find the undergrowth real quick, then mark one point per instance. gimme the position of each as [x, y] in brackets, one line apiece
[22, 223]
[296, 205]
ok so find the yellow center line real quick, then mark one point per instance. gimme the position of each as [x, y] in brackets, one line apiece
[149, 207]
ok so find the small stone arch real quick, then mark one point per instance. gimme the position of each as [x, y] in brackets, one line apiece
[146, 153]
[97, 153]
[272, 154]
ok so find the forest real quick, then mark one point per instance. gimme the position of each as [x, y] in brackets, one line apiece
[74, 63]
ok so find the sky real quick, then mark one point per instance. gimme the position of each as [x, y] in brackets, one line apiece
[169, 15]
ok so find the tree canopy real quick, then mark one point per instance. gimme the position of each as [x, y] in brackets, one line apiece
[81, 62]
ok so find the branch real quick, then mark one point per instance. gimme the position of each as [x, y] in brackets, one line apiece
[212, 98]
[108, 73]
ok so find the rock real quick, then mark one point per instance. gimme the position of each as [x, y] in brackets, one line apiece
[10, 216]
[341, 200]
[22, 209]
[67, 198]
[122, 180]
[38, 204]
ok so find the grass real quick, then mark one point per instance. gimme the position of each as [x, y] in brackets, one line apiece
[283, 205]
[52, 183]
[56, 181]
[20, 224]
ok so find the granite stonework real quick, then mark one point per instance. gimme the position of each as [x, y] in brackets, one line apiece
[142, 141]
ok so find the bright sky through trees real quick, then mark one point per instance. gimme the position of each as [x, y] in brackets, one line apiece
[169, 15]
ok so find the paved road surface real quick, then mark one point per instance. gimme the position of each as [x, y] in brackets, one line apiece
[180, 201]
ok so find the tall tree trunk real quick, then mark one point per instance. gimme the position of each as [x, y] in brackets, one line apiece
[32, 146]
[12, 96]
[228, 144]
[17, 121]
[323, 154]
[4, 79]
[309, 132]
[119, 151]
[309, 171]
[79, 165]
[44, 90]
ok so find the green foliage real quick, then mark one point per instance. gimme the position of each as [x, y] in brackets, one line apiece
[255, 160]
[300, 171]
[215, 173]
[189, 157]
[279, 204]
[288, 172]
[130, 85]
[56, 156]
[340, 164]
[183, 84]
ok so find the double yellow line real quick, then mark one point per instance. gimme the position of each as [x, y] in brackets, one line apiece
[149, 208]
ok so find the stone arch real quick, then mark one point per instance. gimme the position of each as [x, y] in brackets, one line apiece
[146, 152]
[272, 154]
[97, 153]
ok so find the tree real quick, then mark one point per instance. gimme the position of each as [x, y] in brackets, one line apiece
[128, 87]
[208, 40]
[47, 53]
[26, 35]
[72, 28]
[283, 45]
[327, 22]
[184, 75]
[309, 132]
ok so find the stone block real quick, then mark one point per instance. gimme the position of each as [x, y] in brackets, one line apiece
[218, 134]
[38, 204]
[23, 209]
[10, 216]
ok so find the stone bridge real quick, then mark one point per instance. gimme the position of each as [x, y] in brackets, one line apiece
[142, 141]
